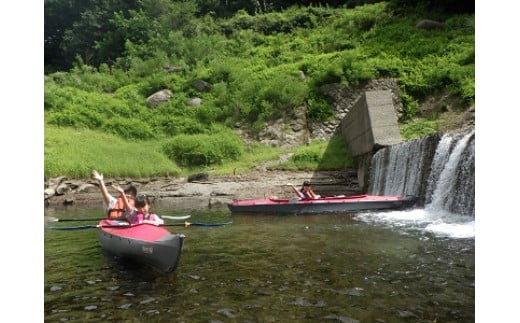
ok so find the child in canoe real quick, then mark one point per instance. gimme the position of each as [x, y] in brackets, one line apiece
[142, 212]
[305, 192]
[137, 210]
[115, 208]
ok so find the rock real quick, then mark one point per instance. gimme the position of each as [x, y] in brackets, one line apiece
[202, 85]
[173, 69]
[158, 98]
[87, 188]
[176, 192]
[148, 300]
[199, 177]
[55, 288]
[226, 312]
[302, 75]
[62, 189]
[195, 102]
[53, 183]
[49, 192]
[219, 202]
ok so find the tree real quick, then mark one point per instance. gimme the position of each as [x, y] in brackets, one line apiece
[74, 27]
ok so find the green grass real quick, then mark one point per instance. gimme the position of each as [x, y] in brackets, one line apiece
[419, 128]
[74, 153]
[253, 156]
[332, 154]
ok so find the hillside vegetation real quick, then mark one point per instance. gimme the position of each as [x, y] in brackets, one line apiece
[259, 67]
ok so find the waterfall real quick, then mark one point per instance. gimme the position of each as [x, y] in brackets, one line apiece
[440, 170]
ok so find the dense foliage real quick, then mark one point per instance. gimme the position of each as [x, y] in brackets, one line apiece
[261, 59]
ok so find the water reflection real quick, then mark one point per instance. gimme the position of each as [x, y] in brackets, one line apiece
[267, 269]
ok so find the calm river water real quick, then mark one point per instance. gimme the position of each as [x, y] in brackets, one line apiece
[370, 267]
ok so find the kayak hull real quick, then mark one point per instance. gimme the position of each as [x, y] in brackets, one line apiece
[143, 243]
[334, 204]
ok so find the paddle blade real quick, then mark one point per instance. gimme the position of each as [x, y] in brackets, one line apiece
[176, 217]
[50, 219]
[200, 224]
[197, 224]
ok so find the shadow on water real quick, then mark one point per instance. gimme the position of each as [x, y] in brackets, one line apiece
[267, 269]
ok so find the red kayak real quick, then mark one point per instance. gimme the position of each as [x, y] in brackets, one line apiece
[331, 204]
[145, 243]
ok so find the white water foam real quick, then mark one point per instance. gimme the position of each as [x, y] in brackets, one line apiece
[424, 220]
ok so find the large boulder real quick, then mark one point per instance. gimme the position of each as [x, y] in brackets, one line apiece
[158, 98]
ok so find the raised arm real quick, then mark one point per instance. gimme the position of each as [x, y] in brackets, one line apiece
[99, 177]
[123, 196]
[300, 194]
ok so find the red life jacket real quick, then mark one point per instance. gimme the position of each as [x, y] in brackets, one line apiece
[118, 211]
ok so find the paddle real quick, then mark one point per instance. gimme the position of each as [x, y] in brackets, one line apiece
[49, 219]
[93, 226]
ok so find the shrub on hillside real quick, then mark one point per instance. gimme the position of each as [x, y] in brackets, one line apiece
[204, 149]
[307, 156]
[417, 129]
[129, 129]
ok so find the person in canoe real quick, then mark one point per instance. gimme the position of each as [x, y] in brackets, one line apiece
[306, 191]
[115, 207]
[142, 212]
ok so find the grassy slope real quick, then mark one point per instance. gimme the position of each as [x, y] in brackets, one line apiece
[75, 152]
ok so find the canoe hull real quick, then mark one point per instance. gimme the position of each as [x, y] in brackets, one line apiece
[340, 204]
[144, 243]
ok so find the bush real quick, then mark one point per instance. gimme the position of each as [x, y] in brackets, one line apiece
[306, 157]
[129, 129]
[319, 109]
[204, 149]
[176, 125]
[321, 155]
[418, 128]
[410, 106]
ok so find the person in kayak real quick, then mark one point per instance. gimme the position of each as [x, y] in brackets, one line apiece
[142, 212]
[306, 191]
[115, 207]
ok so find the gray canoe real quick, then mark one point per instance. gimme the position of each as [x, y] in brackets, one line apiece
[145, 243]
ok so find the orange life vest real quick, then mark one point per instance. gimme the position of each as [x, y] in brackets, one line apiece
[118, 211]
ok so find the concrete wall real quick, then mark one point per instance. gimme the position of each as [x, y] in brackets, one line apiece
[371, 123]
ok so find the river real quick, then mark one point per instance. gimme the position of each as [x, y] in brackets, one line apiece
[397, 266]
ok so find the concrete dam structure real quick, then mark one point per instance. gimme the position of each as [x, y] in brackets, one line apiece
[370, 124]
